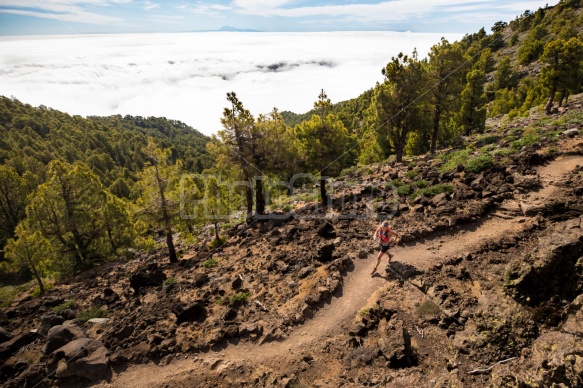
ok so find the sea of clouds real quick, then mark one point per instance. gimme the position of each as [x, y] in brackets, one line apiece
[186, 76]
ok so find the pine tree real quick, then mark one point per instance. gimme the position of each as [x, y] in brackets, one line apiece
[397, 102]
[29, 249]
[68, 210]
[118, 224]
[563, 71]
[159, 202]
[324, 145]
[472, 114]
[13, 192]
[446, 75]
[233, 146]
[278, 144]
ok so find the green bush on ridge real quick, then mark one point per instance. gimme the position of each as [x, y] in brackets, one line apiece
[432, 191]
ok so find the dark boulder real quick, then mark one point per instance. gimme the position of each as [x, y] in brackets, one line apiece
[327, 231]
[48, 321]
[86, 358]
[52, 301]
[325, 252]
[5, 335]
[148, 278]
[61, 335]
[194, 312]
[200, 279]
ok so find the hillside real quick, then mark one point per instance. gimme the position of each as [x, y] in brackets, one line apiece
[485, 288]
[110, 149]
[512, 65]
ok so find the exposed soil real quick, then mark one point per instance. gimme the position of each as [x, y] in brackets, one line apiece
[359, 290]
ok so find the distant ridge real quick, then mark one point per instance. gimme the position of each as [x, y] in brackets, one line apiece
[227, 29]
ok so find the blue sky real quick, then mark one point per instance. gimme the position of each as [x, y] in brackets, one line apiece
[40, 17]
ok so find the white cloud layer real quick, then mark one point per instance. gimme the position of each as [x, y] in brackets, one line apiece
[186, 76]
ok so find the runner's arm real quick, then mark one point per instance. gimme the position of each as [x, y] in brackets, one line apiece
[397, 235]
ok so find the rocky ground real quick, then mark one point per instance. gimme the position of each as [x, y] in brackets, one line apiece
[484, 289]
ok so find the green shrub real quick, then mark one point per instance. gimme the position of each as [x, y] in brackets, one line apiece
[65, 306]
[404, 190]
[453, 159]
[526, 140]
[487, 149]
[428, 308]
[514, 113]
[210, 263]
[217, 243]
[169, 283]
[487, 139]
[240, 297]
[395, 182]
[412, 174]
[94, 312]
[479, 163]
[502, 152]
[235, 299]
[575, 118]
[432, 191]
[421, 184]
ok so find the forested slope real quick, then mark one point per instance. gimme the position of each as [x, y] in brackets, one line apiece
[110, 151]
[427, 100]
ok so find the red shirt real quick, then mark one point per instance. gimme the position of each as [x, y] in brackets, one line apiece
[384, 235]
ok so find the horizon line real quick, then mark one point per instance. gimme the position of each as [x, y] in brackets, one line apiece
[224, 32]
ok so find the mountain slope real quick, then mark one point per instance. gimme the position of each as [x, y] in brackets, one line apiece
[289, 301]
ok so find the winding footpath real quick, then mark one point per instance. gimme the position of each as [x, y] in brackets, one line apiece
[358, 290]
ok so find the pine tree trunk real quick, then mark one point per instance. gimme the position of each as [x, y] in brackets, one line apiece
[562, 98]
[323, 193]
[80, 248]
[217, 231]
[436, 118]
[398, 156]
[111, 242]
[259, 197]
[549, 105]
[249, 199]
[41, 286]
[170, 243]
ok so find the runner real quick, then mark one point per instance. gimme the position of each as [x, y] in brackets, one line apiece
[388, 239]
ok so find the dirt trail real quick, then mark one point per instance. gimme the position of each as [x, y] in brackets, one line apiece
[359, 288]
